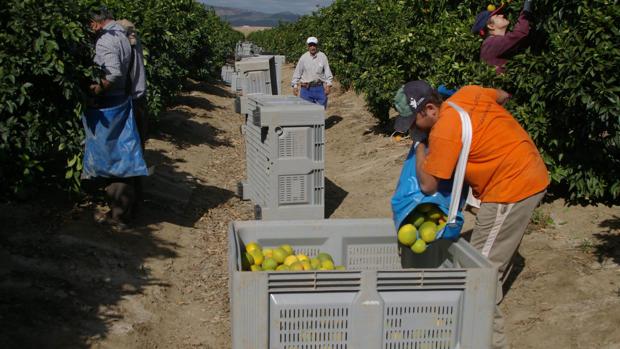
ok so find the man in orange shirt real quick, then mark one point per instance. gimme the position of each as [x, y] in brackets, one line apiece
[504, 167]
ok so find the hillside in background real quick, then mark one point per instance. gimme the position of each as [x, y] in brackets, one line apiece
[239, 17]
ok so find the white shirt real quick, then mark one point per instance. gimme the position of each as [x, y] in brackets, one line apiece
[312, 68]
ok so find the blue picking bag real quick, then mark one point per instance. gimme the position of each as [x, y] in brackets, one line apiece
[408, 196]
[113, 147]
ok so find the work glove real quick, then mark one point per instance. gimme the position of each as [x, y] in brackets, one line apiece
[528, 6]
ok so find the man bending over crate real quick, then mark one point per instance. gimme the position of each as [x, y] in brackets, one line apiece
[504, 167]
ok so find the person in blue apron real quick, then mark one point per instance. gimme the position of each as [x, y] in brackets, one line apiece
[313, 79]
[113, 148]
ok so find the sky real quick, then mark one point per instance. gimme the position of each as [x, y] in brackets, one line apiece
[272, 6]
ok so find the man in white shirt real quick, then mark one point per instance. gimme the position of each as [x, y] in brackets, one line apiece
[312, 79]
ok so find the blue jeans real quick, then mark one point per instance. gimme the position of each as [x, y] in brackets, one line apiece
[314, 94]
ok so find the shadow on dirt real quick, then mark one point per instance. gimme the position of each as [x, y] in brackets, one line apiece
[63, 276]
[213, 88]
[178, 128]
[332, 120]
[334, 196]
[609, 243]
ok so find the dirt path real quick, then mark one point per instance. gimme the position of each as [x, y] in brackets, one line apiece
[66, 283]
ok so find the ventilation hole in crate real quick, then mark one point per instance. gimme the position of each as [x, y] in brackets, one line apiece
[293, 142]
[292, 189]
[372, 257]
[308, 251]
[313, 327]
[428, 326]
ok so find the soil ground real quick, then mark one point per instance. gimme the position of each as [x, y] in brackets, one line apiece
[66, 282]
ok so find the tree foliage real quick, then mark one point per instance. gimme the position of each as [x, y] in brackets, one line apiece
[46, 51]
[565, 85]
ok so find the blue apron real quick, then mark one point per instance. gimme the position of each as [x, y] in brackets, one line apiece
[113, 147]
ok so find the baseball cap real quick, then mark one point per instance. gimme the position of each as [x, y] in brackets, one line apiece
[480, 24]
[312, 40]
[409, 101]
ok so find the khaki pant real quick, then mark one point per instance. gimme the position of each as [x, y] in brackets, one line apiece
[497, 235]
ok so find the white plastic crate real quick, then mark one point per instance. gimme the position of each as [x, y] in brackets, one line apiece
[227, 73]
[285, 145]
[374, 304]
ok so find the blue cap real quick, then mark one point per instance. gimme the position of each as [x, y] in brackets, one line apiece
[480, 25]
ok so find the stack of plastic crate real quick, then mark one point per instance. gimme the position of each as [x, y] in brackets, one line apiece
[227, 73]
[285, 145]
[373, 304]
[256, 75]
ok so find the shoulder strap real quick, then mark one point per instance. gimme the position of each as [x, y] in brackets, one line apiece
[459, 172]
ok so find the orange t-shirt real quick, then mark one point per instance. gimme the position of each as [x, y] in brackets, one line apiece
[504, 165]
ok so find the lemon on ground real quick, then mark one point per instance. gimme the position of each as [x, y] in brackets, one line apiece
[269, 264]
[290, 260]
[279, 255]
[315, 263]
[417, 219]
[256, 268]
[419, 246]
[407, 234]
[258, 257]
[268, 252]
[324, 256]
[288, 249]
[252, 246]
[327, 264]
[302, 257]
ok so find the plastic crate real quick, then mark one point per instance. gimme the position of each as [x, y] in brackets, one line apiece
[285, 145]
[259, 75]
[227, 72]
[374, 304]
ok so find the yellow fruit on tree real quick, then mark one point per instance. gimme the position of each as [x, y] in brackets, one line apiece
[252, 246]
[279, 255]
[407, 234]
[256, 268]
[419, 246]
[288, 249]
[302, 257]
[269, 264]
[258, 257]
[290, 260]
[491, 8]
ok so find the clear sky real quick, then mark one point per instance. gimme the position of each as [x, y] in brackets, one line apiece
[272, 6]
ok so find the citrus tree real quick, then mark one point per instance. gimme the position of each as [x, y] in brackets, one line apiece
[46, 51]
[565, 84]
